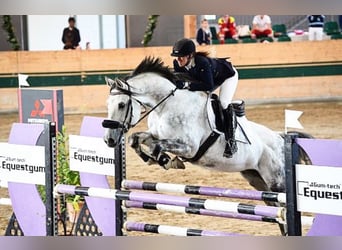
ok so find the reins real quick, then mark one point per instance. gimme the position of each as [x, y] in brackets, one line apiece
[157, 105]
[128, 92]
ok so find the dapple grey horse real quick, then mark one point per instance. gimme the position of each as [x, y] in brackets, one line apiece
[178, 124]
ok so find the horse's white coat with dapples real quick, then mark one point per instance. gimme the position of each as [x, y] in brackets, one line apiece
[180, 124]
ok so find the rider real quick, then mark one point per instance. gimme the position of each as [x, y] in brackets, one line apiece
[209, 74]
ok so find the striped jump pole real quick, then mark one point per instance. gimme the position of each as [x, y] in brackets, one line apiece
[306, 220]
[203, 190]
[199, 211]
[172, 230]
[225, 206]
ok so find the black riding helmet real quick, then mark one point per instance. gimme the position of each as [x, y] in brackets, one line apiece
[183, 47]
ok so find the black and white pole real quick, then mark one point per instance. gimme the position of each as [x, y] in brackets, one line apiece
[120, 175]
[50, 142]
[293, 217]
[225, 206]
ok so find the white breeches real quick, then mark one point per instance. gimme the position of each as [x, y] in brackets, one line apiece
[227, 90]
[315, 33]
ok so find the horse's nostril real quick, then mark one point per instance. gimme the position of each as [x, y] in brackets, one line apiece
[111, 142]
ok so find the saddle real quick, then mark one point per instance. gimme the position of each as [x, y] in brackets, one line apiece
[216, 116]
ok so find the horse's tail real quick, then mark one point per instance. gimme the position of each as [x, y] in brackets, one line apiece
[303, 156]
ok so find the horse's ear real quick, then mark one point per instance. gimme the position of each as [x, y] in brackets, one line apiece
[121, 84]
[110, 82]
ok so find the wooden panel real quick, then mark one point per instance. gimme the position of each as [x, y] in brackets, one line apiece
[280, 53]
[290, 89]
[190, 26]
[8, 62]
[49, 61]
[123, 59]
[92, 99]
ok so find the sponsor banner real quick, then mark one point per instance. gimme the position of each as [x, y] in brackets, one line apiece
[319, 189]
[91, 155]
[22, 163]
[41, 106]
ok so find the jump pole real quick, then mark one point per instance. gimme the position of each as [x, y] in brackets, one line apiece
[306, 220]
[198, 211]
[224, 206]
[204, 190]
[172, 230]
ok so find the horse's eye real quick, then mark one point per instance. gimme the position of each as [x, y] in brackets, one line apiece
[121, 105]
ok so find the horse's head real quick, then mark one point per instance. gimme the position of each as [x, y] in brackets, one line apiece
[146, 86]
[123, 111]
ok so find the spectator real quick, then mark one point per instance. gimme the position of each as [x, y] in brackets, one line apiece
[71, 35]
[227, 28]
[340, 21]
[261, 27]
[316, 23]
[203, 36]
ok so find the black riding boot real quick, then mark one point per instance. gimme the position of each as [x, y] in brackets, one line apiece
[229, 131]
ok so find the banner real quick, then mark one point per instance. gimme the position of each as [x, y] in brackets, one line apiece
[319, 189]
[91, 155]
[41, 106]
[22, 163]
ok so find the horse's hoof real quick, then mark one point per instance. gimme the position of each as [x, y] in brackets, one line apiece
[133, 141]
[176, 163]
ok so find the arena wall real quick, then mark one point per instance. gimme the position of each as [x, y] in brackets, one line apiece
[269, 72]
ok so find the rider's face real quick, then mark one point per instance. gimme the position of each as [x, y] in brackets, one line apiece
[183, 60]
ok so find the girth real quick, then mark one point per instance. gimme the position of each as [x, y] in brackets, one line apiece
[212, 138]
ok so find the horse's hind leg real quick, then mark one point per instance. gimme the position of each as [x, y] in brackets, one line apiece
[256, 181]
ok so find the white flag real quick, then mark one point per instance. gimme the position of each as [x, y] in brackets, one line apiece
[291, 119]
[22, 79]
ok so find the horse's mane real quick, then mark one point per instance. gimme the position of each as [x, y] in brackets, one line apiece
[156, 65]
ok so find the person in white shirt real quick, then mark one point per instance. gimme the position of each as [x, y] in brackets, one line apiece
[261, 26]
[316, 23]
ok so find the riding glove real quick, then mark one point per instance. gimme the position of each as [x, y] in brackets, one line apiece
[182, 85]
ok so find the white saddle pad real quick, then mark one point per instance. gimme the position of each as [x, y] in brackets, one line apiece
[241, 132]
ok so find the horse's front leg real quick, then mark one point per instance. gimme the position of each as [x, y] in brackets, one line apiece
[177, 147]
[136, 140]
[157, 149]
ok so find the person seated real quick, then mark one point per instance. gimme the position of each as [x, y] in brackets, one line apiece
[203, 36]
[262, 27]
[227, 28]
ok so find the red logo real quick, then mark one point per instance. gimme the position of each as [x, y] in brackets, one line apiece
[42, 107]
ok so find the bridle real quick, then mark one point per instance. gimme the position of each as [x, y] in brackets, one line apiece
[126, 124]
